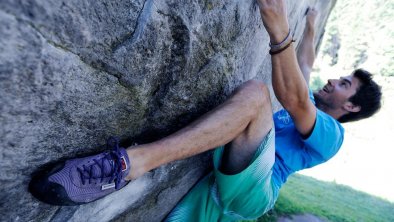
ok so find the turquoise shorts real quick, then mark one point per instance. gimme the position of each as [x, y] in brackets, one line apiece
[243, 196]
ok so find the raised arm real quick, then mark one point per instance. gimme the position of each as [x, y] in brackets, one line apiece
[306, 50]
[289, 84]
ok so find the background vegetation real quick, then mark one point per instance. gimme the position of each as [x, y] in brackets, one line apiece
[360, 33]
[302, 194]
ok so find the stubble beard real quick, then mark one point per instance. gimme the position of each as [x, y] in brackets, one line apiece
[320, 103]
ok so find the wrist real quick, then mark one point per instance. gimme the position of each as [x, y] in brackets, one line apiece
[309, 32]
[282, 45]
[278, 36]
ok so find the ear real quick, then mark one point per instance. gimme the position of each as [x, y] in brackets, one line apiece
[350, 107]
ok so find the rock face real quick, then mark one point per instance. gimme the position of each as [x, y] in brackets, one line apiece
[73, 73]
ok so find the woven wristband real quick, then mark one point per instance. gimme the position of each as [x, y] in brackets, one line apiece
[282, 43]
[274, 52]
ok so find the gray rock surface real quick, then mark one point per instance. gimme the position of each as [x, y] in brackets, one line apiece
[73, 73]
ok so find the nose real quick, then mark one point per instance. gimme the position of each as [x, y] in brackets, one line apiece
[332, 81]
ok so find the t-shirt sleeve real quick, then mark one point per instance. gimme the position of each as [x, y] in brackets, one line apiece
[326, 137]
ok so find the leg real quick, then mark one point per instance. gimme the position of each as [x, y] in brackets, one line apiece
[306, 52]
[245, 118]
[239, 152]
[240, 185]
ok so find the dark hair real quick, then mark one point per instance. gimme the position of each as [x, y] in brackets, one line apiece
[368, 96]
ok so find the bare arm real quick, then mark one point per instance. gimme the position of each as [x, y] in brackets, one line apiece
[289, 84]
[305, 63]
[306, 51]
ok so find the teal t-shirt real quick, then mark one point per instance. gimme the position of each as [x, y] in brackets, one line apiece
[293, 153]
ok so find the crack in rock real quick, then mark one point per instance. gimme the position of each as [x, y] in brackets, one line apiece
[142, 20]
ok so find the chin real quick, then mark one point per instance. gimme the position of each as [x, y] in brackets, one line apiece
[318, 98]
[317, 93]
[321, 92]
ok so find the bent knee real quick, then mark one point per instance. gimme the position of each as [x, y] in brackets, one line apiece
[256, 92]
[254, 83]
[256, 86]
[259, 92]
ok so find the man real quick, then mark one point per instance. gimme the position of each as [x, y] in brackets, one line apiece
[256, 158]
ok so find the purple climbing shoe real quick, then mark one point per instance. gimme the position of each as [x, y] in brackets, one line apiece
[83, 180]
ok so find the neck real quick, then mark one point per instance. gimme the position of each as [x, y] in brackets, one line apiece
[335, 113]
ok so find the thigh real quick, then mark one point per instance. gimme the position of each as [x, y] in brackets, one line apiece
[251, 192]
[242, 196]
[197, 205]
[239, 152]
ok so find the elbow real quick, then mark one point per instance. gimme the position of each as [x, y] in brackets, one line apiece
[289, 102]
[294, 102]
[292, 95]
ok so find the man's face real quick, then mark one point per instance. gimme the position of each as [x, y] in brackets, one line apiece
[336, 93]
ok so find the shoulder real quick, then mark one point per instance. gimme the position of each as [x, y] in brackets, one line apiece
[327, 135]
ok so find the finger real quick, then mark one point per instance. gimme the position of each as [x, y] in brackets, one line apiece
[307, 10]
[310, 10]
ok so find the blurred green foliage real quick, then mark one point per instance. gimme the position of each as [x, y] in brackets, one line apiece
[337, 203]
[316, 83]
[360, 33]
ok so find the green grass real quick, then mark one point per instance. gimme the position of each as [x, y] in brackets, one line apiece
[334, 202]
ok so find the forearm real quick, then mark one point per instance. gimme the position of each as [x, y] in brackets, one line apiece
[306, 53]
[289, 85]
[287, 80]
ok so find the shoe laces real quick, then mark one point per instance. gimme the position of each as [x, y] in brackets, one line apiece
[112, 159]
